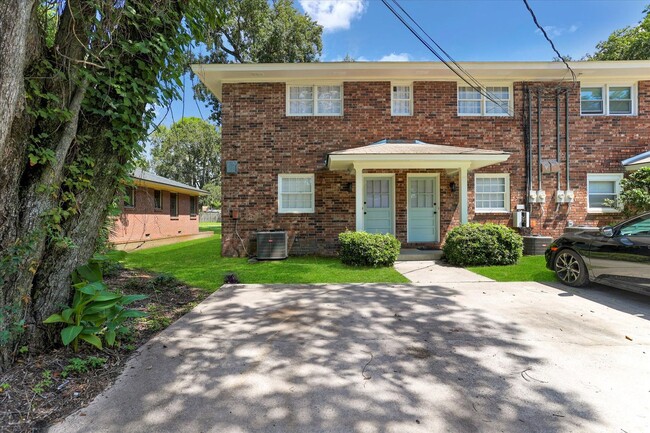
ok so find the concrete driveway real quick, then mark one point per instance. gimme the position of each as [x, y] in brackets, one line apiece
[468, 357]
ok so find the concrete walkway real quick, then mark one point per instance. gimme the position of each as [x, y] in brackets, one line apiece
[398, 358]
[436, 272]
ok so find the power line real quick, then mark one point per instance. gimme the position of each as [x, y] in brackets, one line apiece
[532, 14]
[477, 86]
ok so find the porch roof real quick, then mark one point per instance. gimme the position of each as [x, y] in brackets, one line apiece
[413, 154]
[638, 161]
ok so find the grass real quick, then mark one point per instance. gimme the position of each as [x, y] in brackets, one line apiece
[210, 227]
[529, 268]
[199, 263]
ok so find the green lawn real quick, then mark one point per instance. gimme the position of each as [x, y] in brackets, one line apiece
[199, 264]
[210, 227]
[529, 268]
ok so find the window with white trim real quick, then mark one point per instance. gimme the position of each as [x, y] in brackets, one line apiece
[492, 192]
[401, 100]
[602, 189]
[295, 193]
[315, 100]
[607, 99]
[472, 102]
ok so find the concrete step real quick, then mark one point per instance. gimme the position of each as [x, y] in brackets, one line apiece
[413, 255]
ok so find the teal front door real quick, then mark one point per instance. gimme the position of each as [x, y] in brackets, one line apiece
[378, 205]
[422, 209]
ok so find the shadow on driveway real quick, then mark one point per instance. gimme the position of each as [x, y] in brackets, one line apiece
[352, 358]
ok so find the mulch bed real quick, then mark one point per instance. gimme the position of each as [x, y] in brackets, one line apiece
[36, 391]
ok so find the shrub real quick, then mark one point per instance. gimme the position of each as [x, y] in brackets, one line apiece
[482, 245]
[367, 249]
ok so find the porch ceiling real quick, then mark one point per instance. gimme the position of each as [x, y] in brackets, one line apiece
[400, 154]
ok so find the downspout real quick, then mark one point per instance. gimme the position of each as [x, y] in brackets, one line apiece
[539, 140]
[558, 140]
[529, 146]
[566, 136]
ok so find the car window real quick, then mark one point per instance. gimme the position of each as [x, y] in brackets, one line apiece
[640, 227]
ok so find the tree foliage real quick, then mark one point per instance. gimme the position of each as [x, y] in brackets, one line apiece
[629, 43]
[76, 78]
[259, 31]
[635, 192]
[189, 151]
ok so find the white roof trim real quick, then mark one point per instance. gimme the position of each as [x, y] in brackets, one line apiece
[413, 161]
[214, 75]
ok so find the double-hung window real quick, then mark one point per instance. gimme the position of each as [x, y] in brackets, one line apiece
[492, 192]
[157, 199]
[603, 191]
[608, 100]
[193, 206]
[315, 100]
[129, 200]
[173, 205]
[296, 193]
[401, 100]
[492, 101]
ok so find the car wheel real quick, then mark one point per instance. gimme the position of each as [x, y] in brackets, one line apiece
[571, 269]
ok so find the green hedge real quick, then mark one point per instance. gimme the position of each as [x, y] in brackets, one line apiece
[366, 249]
[482, 245]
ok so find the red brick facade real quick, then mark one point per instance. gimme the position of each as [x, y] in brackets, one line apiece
[266, 142]
[144, 223]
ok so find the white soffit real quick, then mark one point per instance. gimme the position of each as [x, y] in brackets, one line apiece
[214, 75]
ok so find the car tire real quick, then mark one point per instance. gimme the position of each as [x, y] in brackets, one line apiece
[570, 268]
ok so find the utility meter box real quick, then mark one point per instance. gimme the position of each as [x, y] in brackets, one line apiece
[521, 218]
[541, 196]
[569, 196]
[559, 196]
[532, 196]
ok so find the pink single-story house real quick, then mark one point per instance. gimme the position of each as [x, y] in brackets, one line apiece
[156, 211]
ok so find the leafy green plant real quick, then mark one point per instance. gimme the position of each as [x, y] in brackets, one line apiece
[368, 249]
[635, 193]
[95, 312]
[80, 366]
[488, 244]
[4, 386]
[45, 383]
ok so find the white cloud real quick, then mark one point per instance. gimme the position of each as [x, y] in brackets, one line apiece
[334, 14]
[392, 57]
[555, 31]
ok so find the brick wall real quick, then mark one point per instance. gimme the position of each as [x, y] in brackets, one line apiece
[258, 134]
[143, 222]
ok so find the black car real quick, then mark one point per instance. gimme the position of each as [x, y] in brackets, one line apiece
[618, 256]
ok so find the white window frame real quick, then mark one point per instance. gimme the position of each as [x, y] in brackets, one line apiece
[607, 177]
[314, 100]
[506, 193]
[605, 87]
[282, 176]
[484, 100]
[392, 98]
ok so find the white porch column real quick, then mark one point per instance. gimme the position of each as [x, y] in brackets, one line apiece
[358, 191]
[463, 194]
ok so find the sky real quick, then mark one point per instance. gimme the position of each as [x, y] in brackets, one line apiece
[469, 30]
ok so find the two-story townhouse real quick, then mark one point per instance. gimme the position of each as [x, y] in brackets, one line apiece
[409, 149]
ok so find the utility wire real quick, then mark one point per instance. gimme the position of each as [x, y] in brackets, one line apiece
[476, 85]
[560, 56]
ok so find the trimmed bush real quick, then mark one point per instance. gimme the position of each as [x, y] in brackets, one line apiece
[482, 245]
[368, 249]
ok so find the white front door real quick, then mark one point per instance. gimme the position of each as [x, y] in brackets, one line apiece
[378, 205]
[422, 209]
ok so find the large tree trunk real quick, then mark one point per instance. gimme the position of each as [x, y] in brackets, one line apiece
[35, 265]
